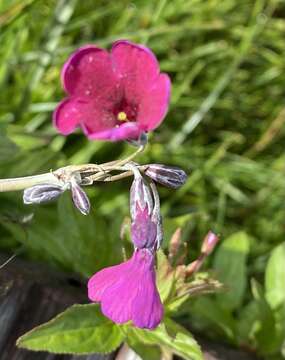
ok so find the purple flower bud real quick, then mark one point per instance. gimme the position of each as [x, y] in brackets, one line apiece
[169, 176]
[140, 194]
[209, 242]
[80, 199]
[42, 193]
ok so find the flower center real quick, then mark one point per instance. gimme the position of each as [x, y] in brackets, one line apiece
[122, 116]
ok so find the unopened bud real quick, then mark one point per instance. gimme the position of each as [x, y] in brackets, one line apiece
[80, 199]
[42, 193]
[194, 266]
[209, 242]
[174, 244]
[169, 176]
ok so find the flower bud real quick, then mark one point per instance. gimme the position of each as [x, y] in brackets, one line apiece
[42, 193]
[80, 199]
[175, 243]
[209, 242]
[172, 177]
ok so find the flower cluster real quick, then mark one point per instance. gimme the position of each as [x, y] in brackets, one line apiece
[119, 95]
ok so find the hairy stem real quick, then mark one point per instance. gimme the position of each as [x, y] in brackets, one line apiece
[87, 172]
[22, 183]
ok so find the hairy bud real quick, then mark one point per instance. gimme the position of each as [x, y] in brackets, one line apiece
[172, 177]
[42, 193]
[80, 199]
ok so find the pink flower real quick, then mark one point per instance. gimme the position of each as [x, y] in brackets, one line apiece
[112, 96]
[128, 291]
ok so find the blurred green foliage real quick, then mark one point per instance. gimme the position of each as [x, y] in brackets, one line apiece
[225, 127]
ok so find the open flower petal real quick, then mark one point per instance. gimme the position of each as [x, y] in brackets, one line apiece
[67, 116]
[88, 72]
[136, 66]
[128, 291]
[105, 278]
[117, 299]
[154, 104]
[75, 112]
[147, 306]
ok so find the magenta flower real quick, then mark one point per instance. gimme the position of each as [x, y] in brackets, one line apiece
[112, 96]
[127, 292]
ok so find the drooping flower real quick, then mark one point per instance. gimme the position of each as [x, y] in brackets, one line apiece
[112, 96]
[127, 292]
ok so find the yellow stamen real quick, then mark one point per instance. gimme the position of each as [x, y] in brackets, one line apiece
[122, 116]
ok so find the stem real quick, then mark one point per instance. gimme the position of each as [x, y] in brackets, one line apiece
[22, 183]
[63, 175]
[124, 174]
[131, 157]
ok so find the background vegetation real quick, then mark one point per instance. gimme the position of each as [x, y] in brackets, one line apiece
[225, 127]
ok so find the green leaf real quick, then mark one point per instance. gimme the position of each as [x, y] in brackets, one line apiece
[208, 312]
[81, 329]
[149, 352]
[230, 265]
[267, 344]
[248, 322]
[79, 243]
[171, 336]
[275, 277]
